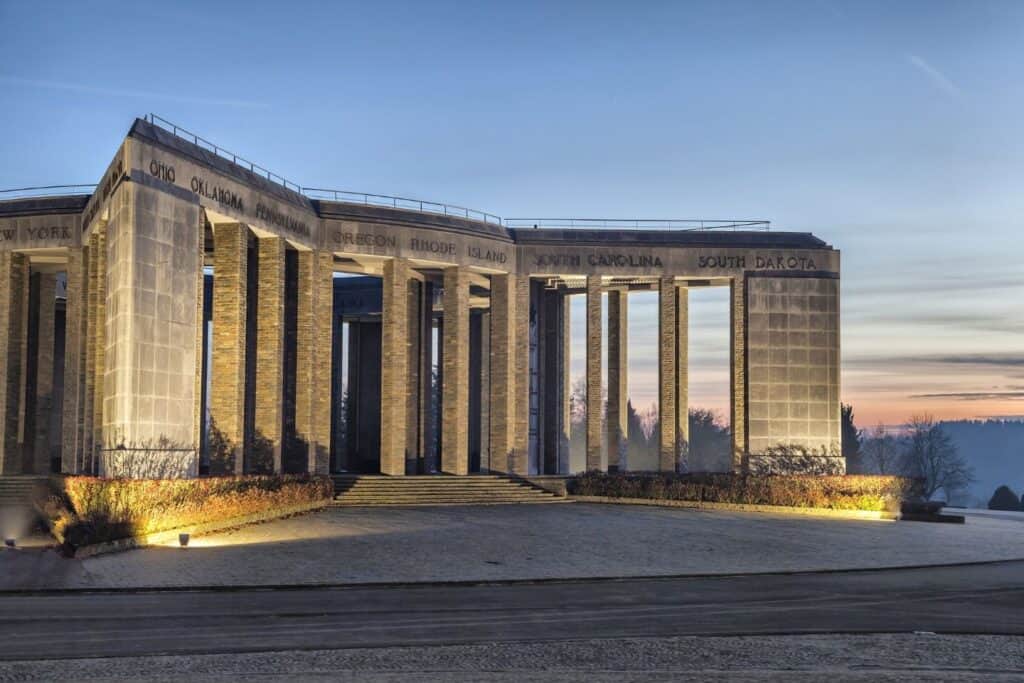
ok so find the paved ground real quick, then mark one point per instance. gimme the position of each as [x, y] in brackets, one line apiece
[562, 630]
[360, 545]
[869, 658]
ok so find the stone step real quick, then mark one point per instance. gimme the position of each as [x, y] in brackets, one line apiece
[425, 502]
[437, 490]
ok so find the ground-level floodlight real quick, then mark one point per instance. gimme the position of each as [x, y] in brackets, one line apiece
[183, 540]
[10, 542]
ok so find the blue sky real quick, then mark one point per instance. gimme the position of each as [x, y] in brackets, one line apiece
[893, 130]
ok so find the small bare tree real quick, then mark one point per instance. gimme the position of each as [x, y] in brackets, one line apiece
[882, 450]
[930, 454]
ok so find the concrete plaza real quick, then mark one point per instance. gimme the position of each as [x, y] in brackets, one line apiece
[494, 543]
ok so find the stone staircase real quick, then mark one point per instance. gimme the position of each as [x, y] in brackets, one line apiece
[17, 491]
[437, 489]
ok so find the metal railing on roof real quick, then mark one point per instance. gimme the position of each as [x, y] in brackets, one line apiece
[46, 191]
[684, 224]
[221, 152]
[401, 203]
[407, 203]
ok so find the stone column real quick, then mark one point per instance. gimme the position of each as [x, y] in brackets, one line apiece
[305, 351]
[426, 437]
[485, 391]
[323, 341]
[74, 341]
[14, 284]
[667, 454]
[566, 386]
[683, 375]
[197, 387]
[227, 395]
[502, 384]
[413, 400]
[455, 387]
[617, 420]
[42, 439]
[394, 368]
[738, 371]
[520, 462]
[269, 416]
[594, 402]
[98, 333]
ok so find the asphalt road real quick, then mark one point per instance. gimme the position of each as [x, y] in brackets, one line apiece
[981, 599]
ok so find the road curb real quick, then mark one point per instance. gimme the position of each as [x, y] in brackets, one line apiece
[470, 583]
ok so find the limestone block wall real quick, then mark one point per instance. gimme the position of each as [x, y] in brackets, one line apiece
[14, 285]
[150, 346]
[793, 366]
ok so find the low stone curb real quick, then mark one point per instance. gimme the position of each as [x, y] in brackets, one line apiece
[743, 507]
[171, 535]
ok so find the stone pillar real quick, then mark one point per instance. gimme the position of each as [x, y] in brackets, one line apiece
[426, 437]
[455, 388]
[323, 341]
[502, 384]
[74, 356]
[305, 352]
[269, 415]
[197, 387]
[98, 334]
[394, 368]
[14, 284]
[617, 420]
[42, 440]
[413, 400]
[520, 462]
[227, 395]
[667, 452]
[485, 391]
[594, 402]
[683, 375]
[566, 386]
[738, 371]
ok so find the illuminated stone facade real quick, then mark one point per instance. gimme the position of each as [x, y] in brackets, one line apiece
[193, 316]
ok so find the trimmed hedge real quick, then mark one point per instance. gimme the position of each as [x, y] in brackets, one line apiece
[838, 492]
[86, 510]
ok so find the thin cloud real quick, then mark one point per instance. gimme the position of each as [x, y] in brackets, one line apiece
[1001, 360]
[975, 395]
[138, 94]
[938, 79]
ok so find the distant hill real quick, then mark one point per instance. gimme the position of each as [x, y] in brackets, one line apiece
[995, 448]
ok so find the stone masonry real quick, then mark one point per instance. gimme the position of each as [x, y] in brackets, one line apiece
[227, 399]
[73, 358]
[13, 310]
[502, 384]
[738, 371]
[394, 367]
[618, 390]
[594, 398]
[667, 351]
[682, 374]
[455, 399]
[269, 417]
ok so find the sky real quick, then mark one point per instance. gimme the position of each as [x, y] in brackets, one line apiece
[893, 130]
